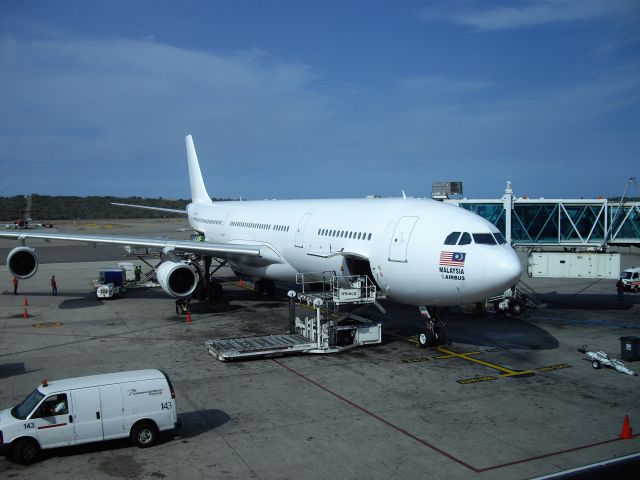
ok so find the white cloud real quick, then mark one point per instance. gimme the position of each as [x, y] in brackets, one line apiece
[527, 13]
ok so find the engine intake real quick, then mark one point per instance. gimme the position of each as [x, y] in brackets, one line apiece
[177, 279]
[22, 262]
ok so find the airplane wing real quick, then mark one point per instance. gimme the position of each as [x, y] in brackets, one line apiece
[159, 209]
[220, 250]
[339, 253]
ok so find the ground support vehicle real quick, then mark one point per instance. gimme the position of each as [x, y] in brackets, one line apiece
[137, 404]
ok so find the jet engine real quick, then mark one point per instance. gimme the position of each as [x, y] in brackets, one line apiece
[22, 262]
[177, 279]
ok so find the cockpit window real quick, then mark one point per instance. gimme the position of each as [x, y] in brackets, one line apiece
[452, 238]
[484, 239]
[465, 239]
[500, 238]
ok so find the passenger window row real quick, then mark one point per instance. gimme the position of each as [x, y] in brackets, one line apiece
[325, 232]
[464, 238]
[207, 220]
[260, 226]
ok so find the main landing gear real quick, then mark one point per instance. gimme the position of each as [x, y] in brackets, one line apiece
[265, 287]
[433, 333]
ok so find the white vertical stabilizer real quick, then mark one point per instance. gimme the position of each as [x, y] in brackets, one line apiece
[198, 191]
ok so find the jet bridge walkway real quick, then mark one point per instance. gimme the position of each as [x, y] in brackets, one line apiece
[589, 223]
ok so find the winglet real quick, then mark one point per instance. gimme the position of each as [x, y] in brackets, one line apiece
[198, 191]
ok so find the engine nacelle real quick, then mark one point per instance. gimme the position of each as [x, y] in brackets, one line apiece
[22, 262]
[177, 279]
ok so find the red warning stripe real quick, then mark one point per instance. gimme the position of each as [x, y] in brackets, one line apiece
[52, 426]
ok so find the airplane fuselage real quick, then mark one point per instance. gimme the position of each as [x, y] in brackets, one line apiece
[400, 243]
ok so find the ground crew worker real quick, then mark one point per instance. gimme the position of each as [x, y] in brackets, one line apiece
[620, 287]
[54, 285]
[138, 272]
[15, 285]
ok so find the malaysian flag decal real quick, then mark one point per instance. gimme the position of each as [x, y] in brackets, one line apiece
[452, 259]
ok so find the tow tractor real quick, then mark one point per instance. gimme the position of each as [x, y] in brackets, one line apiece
[327, 331]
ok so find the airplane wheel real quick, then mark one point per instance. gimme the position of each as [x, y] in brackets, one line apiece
[441, 337]
[516, 308]
[425, 339]
[595, 364]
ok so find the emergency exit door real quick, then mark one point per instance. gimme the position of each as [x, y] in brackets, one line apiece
[301, 228]
[400, 239]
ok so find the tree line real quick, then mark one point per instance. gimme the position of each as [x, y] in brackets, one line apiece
[47, 207]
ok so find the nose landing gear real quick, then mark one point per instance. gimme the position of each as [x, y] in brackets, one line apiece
[433, 334]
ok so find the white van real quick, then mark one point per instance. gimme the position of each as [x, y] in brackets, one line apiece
[137, 404]
[631, 278]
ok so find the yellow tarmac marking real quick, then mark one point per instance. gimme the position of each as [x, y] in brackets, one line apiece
[47, 324]
[466, 356]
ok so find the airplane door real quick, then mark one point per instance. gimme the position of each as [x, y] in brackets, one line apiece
[302, 225]
[225, 225]
[88, 415]
[400, 239]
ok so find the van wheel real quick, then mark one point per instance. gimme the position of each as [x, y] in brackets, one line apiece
[636, 288]
[26, 451]
[144, 434]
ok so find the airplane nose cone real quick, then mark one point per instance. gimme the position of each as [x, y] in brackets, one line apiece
[502, 269]
[506, 268]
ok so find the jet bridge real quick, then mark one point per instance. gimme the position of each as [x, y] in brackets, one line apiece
[540, 222]
[326, 330]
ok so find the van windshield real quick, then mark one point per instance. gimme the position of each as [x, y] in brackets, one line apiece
[23, 410]
[626, 275]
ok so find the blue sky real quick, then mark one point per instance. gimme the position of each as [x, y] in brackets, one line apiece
[316, 99]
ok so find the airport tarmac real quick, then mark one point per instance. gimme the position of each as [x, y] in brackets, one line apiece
[505, 398]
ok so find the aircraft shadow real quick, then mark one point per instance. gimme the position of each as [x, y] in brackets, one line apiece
[590, 301]
[14, 369]
[487, 330]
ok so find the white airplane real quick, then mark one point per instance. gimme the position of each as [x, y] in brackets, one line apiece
[417, 251]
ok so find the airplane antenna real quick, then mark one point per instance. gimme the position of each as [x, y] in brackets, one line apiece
[404, 196]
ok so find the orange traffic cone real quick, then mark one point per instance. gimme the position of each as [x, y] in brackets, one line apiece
[625, 434]
[25, 315]
[188, 317]
[26, 304]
